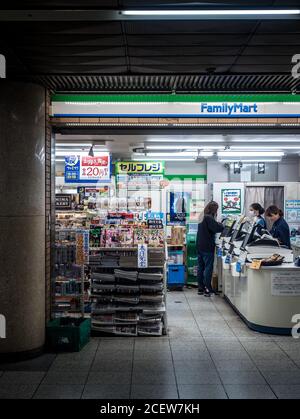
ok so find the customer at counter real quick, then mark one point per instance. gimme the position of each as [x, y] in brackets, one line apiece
[280, 229]
[256, 211]
[207, 229]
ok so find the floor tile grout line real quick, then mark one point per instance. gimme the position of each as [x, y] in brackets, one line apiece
[218, 373]
[294, 362]
[173, 363]
[90, 369]
[253, 361]
[46, 372]
[132, 367]
[261, 372]
[240, 342]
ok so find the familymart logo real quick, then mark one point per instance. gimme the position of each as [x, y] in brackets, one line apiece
[2, 327]
[229, 109]
[2, 67]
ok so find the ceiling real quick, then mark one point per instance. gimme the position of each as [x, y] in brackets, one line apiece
[122, 146]
[248, 55]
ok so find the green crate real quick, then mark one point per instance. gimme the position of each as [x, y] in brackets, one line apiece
[68, 334]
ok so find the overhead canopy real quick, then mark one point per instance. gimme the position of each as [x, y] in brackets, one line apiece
[91, 53]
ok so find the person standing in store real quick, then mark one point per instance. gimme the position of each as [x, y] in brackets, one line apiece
[280, 229]
[256, 211]
[207, 229]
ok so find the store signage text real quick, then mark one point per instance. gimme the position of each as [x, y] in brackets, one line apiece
[296, 328]
[2, 327]
[199, 106]
[229, 109]
[93, 167]
[87, 169]
[296, 67]
[2, 67]
[140, 167]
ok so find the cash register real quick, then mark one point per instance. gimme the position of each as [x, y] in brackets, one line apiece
[226, 234]
[259, 244]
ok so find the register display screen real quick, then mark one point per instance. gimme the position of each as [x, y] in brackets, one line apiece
[249, 230]
[229, 224]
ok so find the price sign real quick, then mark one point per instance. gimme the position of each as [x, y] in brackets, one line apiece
[95, 168]
[88, 169]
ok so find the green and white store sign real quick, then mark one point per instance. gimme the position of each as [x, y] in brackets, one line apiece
[171, 106]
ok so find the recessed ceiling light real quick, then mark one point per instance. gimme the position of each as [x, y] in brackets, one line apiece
[239, 154]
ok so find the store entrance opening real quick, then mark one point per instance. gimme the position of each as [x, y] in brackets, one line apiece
[127, 214]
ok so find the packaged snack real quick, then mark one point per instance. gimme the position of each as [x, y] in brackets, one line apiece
[126, 237]
[141, 236]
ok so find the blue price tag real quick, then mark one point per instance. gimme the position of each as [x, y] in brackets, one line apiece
[220, 252]
[239, 267]
[228, 259]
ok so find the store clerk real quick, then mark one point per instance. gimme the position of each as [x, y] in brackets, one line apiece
[280, 229]
[256, 211]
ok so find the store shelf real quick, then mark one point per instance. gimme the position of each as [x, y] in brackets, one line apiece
[128, 249]
[176, 245]
[129, 295]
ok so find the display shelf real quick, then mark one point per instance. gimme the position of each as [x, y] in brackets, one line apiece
[117, 290]
[129, 249]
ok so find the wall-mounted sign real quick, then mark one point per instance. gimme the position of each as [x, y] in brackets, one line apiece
[63, 201]
[231, 201]
[176, 106]
[292, 210]
[143, 167]
[87, 169]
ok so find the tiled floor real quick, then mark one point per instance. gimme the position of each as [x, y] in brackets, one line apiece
[208, 354]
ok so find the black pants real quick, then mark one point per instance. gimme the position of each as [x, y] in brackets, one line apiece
[205, 270]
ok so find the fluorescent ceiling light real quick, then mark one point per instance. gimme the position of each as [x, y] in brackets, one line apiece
[164, 159]
[77, 153]
[239, 154]
[185, 140]
[206, 154]
[250, 160]
[182, 147]
[191, 154]
[264, 140]
[58, 144]
[266, 148]
[168, 154]
[234, 12]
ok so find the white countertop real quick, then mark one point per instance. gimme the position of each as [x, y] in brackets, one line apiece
[284, 266]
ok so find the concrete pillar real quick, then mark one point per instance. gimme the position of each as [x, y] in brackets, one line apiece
[22, 217]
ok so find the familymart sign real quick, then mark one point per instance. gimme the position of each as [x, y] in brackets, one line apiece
[179, 106]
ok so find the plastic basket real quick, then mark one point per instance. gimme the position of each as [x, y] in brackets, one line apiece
[68, 334]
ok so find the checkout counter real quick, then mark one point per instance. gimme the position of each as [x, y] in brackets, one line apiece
[266, 298]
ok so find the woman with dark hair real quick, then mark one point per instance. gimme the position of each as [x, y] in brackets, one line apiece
[280, 229]
[257, 211]
[207, 229]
